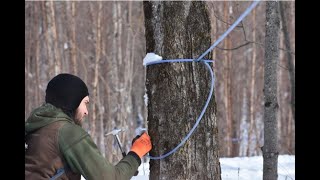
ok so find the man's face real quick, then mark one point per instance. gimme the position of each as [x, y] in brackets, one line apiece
[81, 111]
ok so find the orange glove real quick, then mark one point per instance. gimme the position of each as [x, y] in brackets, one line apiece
[142, 145]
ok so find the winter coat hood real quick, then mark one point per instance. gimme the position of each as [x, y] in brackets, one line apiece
[44, 115]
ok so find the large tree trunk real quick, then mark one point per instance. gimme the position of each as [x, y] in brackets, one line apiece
[270, 148]
[177, 92]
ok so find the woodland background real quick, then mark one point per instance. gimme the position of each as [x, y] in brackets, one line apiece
[103, 42]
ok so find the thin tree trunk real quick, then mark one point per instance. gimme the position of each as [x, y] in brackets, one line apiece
[100, 109]
[252, 91]
[37, 75]
[28, 54]
[270, 148]
[95, 107]
[107, 122]
[47, 30]
[52, 21]
[228, 90]
[289, 55]
[114, 83]
[37, 51]
[177, 92]
[121, 69]
[73, 38]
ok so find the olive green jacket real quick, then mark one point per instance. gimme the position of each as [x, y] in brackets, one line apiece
[47, 127]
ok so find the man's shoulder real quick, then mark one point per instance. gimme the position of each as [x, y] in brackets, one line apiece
[70, 134]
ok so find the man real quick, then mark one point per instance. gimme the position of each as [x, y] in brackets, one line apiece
[55, 139]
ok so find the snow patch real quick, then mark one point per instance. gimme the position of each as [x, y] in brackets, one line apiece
[151, 57]
[146, 99]
[65, 46]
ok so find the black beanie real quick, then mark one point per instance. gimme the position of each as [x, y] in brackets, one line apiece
[66, 91]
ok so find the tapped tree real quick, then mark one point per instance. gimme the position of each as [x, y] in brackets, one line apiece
[177, 92]
[270, 148]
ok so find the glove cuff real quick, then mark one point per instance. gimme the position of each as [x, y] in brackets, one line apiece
[136, 156]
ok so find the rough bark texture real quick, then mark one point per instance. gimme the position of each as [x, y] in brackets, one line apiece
[177, 92]
[270, 148]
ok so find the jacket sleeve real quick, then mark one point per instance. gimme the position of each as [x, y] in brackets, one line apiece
[83, 156]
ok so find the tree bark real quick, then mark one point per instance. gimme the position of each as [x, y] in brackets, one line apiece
[73, 38]
[228, 93]
[177, 92]
[54, 35]
[253, 87]
[49, 44]
[270, 148]
[96, 107]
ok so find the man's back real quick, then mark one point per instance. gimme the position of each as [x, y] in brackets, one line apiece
[43, 157]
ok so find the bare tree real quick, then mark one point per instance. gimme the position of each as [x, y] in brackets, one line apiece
[228, 90]
[290, 63]
[233, 64]
[177, 92]
[76, 37]
[53, 36]
[97, 37]
[270, 148]
[71, 14]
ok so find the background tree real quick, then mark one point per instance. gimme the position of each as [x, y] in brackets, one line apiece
[177, 91]
[239, 70]
[286, 79]
[101, 42]
[271, 106]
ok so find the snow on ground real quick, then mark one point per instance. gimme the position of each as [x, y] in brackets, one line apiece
[244, 168]
[240, 168]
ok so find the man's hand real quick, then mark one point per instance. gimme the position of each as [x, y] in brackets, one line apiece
[141, 145]
[134, 139]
